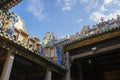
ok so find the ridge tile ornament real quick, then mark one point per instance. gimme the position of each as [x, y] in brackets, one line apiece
[93, 39]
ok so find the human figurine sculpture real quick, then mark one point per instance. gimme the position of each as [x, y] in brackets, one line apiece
[118, 19]
[85, 30]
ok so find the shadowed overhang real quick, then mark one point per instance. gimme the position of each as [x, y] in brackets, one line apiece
[7, 4]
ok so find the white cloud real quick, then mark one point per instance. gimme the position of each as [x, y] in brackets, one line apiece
[117, 2]
[96, 16]
[36, 8]
[105, 3]
[58, 1]
[84, 1]
[91, 4]
[103, 8]
[109, 9]
[98, 8]
[66, 4]
[66, 8]
[69, 4]
[79, 21]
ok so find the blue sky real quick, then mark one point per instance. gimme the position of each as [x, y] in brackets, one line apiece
[64, 16]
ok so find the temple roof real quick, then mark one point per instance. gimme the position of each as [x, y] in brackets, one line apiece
[87, 40]
[7, 4]
[16, 44]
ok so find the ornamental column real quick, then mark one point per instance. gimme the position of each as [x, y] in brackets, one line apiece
[48, 75]
[67, 63]
[7, 66]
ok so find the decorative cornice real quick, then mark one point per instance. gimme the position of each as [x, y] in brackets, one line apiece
[93, 39]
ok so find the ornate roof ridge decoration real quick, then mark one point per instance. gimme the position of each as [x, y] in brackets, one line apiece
[87, 32]
[23, 26]
[110, 33]
[7, 4]
[4, 38]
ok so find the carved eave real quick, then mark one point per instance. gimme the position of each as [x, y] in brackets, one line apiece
[7, 4]
[26, 34]
[21, 31]
[34, 39]
[93, 39]
[18, 48]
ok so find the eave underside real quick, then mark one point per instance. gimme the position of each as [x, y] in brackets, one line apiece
[7, 4]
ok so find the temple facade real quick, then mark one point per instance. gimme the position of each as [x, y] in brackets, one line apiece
[25, 57]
